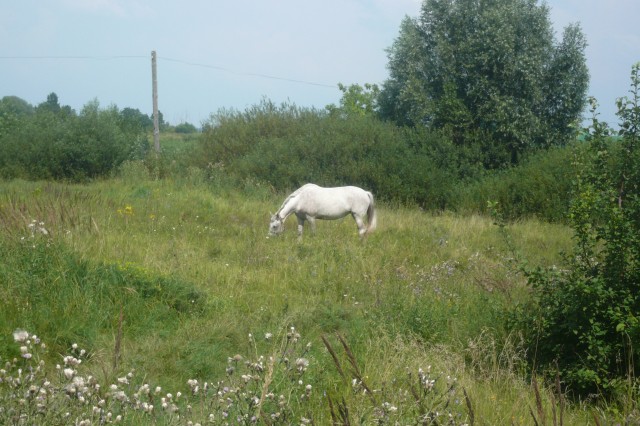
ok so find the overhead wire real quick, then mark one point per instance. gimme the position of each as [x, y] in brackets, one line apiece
[179, 61]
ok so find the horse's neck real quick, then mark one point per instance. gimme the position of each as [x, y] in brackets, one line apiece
[287, 207]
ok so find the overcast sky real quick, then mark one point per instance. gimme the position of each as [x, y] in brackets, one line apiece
[215, 54]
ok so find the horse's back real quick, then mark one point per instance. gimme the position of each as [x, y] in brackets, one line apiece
[331, 202]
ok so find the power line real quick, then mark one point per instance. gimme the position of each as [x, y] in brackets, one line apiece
[102, 58]
[179, 61]
[250, 74]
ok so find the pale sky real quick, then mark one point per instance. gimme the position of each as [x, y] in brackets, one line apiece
[215, 54]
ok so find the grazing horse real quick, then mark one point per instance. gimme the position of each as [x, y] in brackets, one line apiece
[311, 202]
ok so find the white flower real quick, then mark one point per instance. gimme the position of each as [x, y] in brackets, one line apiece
[20, 335]
[69, 373]
[302, 364]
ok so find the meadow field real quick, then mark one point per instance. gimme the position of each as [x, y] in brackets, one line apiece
[164, 301]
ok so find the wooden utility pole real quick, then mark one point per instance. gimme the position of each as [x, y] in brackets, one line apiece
[156, 121]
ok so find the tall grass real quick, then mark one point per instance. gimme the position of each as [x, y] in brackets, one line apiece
[190, 267]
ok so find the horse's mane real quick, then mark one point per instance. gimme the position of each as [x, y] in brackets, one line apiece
[289, 198]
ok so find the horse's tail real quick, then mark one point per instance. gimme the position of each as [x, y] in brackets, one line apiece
[371, 213]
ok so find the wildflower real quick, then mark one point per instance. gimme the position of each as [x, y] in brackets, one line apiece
[302, 364]
[20, 335]
[69, 373]
[120, 396]
[268, 336]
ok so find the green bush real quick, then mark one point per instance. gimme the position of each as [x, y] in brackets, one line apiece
[60, 144]
[288, 146]
[541, 186]
[584, 320]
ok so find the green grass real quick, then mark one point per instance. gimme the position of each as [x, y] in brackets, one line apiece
[192, 269]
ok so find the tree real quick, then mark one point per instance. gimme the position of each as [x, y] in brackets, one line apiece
[15, 105]
[584, 320]
[186, 128]
[132, 118]
[356, 100]
[12, 109]
[51, 104]
[487, 71]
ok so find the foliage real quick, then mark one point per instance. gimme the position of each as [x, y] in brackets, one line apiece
[490, 73]
[54, 142]
[287, 146]
[356, 100]
[539, 186]
[583, 319]
[185, 128]
[133, 119]
[424, 289]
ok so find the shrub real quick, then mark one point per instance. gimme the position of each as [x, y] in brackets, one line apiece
[61, 144]
[540, 186]
[584, 320]
[287, 146]
[185, 128]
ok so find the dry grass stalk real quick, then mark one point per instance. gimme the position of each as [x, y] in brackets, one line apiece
[469, 407]
[265, 390]
[117, 350]
[356, 370]
[333, 355]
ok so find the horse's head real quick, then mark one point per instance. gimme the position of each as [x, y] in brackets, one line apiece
[276, 226]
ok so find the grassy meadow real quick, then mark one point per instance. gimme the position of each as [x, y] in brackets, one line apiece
[175, 280]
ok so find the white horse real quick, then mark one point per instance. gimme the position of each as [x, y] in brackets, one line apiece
[311, 202]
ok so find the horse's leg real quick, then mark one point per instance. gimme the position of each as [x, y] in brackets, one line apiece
[312, 223]
[300, 225]
[362, 228]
